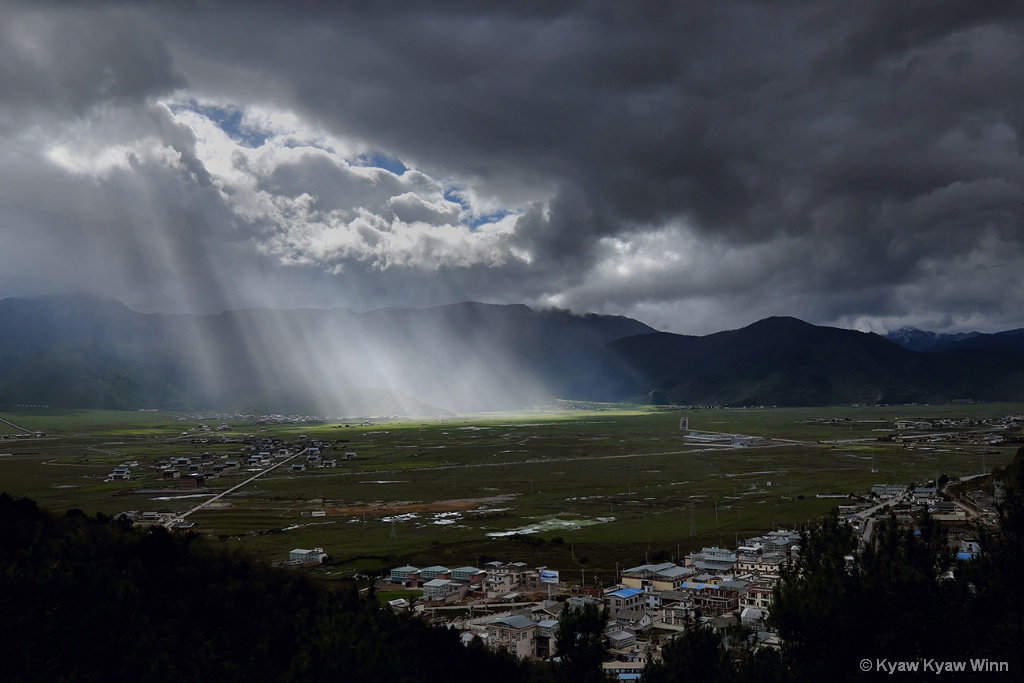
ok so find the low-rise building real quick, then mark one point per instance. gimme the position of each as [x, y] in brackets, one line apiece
[435, 572]
[547, 632]
[623, 600]
[713, 560]
[887, 491]
[710, 599]
[192, 481]
[516, 634]
[656, 577]
[469, 575]
[304, 556]
[679, 611]
[406, 575]
[621, 641]
[443, 589]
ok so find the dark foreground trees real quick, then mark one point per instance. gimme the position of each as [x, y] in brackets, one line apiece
[89, 599]
[905, 598]
[579, 642]
[702, 655]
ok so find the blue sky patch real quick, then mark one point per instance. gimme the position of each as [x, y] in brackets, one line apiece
[229, 120]
[475, 221]
[381, 160]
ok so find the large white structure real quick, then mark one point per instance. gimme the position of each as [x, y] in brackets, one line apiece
[304, 556]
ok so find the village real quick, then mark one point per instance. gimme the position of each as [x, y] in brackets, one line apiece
[515, 607]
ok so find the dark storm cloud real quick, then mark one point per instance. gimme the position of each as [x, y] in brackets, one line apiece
[694, 164]
[70, 58]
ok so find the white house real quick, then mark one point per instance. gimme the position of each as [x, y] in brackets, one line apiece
[304, 556]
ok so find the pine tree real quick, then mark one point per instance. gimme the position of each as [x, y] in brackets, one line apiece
[579, 641]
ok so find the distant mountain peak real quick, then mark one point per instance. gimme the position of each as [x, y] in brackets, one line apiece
[924, 340]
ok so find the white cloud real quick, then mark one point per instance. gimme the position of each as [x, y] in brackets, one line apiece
[313, 204]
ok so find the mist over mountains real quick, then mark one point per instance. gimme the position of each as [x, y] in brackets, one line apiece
[469, 357]
[85, 352]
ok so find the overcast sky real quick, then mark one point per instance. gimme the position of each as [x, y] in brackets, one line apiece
[695, 165]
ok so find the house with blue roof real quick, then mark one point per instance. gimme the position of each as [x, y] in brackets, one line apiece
[623, 600]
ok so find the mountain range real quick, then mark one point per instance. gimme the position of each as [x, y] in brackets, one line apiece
[920, 340]
[90, 353]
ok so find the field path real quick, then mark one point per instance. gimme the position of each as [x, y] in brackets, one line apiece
[234, 488]
[16, 426]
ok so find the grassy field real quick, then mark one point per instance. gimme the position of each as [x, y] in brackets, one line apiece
[586, 490]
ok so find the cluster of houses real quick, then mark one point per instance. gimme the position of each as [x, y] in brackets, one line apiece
[908, 501]
[967, 431]
[717, 586]
[905, 505]
[24, 435]
[192, 471]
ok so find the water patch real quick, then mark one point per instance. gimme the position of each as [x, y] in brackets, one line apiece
[385, 481]
[552, 524]
[446, 518]
[407, 517]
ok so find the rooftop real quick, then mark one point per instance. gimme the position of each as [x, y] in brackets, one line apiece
[516, 621]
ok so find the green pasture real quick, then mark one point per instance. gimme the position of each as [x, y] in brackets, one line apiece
[586, 490]
[65, 421]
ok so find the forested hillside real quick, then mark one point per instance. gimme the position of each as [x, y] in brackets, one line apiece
[91, 599]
